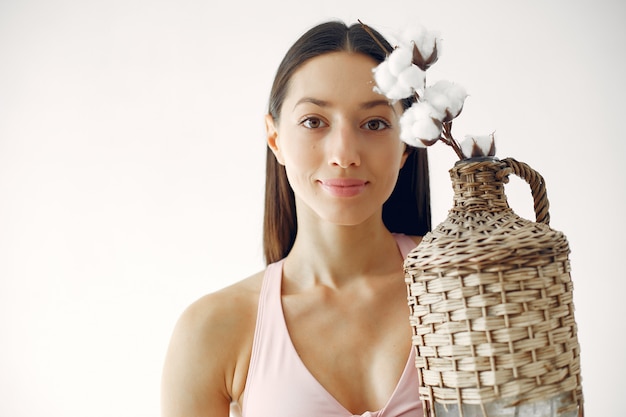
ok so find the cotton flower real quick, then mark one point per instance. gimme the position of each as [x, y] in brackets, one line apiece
[474, 146]
[447, 98]
[425, 45]
[429, 119]
[397, 77]
[419, 125]
[399, 60]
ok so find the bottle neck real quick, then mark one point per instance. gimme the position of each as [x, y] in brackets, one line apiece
[478, 185]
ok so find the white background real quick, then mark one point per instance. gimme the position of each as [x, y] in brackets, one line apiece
[132, 169]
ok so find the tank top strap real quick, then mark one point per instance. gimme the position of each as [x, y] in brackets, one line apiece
[405, 243]
[266, 333]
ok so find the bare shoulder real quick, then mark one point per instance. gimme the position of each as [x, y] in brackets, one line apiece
[209, 352]
[228, 305]
[226, 313]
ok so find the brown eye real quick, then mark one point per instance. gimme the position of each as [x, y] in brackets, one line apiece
[313, 123]
[376, 124]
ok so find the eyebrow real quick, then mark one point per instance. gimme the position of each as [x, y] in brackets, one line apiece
[366, 105]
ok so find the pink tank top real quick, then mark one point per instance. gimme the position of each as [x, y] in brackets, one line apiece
[280, 385]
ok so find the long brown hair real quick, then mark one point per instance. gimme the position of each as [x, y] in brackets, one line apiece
[408, 208]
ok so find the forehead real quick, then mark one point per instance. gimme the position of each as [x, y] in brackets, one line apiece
[335, 74]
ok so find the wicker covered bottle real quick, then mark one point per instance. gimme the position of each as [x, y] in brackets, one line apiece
[491, 308]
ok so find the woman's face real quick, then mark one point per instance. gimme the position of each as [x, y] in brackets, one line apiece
[338, 139]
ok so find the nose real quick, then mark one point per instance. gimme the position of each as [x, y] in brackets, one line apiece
[343, 147]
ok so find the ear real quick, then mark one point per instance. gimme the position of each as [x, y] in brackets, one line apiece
[271, 133]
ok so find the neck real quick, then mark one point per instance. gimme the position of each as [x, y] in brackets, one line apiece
[333, 255]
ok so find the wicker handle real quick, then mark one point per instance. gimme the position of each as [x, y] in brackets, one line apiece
[537, 186]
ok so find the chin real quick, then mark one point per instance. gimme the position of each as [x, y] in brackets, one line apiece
[348, 219]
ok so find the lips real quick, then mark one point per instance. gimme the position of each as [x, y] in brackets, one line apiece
[343, 187]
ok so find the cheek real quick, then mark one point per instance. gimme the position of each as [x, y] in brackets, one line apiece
[299, 157]
[392, 156]
[301, 163]
[389, 163]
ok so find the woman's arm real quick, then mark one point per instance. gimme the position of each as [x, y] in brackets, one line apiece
[207, 360]
[194, 374]
[209, 353]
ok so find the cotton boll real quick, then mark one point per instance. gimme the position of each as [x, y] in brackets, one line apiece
[410, 33]
[487, 144]
[426, 130]
[425, 45]
[468, 147]
[396, 77]
[402, 86]
[399, 60]
[385, 80]
[411, 140]
[399, 91]
[438, 100]
[422, 110]
[418, 34]
[447, 98]
[413, 77]
[418, 127]
[474, 146]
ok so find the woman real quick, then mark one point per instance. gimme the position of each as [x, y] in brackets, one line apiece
[323, 331]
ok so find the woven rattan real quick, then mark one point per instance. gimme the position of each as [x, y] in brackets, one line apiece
[490, 297]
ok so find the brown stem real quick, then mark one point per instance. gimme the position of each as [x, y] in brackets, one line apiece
[450, 141]
[369, 31]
